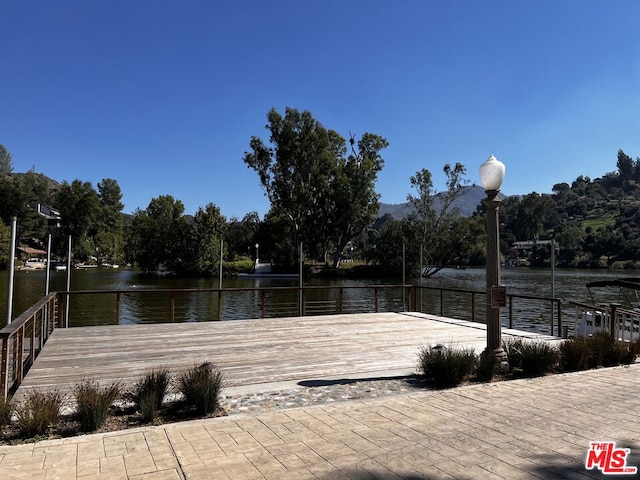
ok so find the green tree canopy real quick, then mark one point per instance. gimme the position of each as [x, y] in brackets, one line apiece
[158, 236]
[305, 175]
[6, 164]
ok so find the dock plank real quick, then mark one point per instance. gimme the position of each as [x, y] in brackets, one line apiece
[251, 352]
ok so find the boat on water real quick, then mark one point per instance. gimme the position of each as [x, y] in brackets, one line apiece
[625, 309]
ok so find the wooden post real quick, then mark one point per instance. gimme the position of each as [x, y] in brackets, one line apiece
[511, 312]
[614, 319]
[340, 301]
[376, 298]
[173, 307]
[118, 308]
[559, 306]
[473, 306]
[263, 296]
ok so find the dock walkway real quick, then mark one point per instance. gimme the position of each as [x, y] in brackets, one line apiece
[520, 429]
[255, 354]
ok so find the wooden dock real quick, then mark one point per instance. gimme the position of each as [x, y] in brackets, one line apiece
[254, 353]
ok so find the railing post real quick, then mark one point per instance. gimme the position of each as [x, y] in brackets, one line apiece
[302, 301]
[559, 306]
[19, 353]
[473, 306]
[614, 320]
[510, 311]
[219, 304]
[441, 302]
[173, 307]
[32, 339]
[376, 298]
[263, 297]
[340, 299]
[117, 308]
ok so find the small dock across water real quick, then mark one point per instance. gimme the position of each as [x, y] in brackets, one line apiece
[255, 354]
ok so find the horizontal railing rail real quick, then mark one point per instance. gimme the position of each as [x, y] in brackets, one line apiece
[23, 340]
[623, 324]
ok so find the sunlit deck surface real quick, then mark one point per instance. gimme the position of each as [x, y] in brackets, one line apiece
[255, 354]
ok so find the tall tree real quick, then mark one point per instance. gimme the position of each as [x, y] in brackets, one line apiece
[79, 208]
[434, 217]
[303, 172]
[6, 165]
[109, 239]
[208, 228]
[354, 194]
[158, 236]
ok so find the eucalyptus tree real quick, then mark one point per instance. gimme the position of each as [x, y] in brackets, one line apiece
[303, 170]
[440, 234]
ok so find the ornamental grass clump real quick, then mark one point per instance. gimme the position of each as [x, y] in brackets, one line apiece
[445, 367]
[93, 401]
[39, 412]
[149, 392]
[606, 351]
[201, 386]
[574, 354]
[532, 358]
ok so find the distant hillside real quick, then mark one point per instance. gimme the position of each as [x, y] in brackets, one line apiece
[467, 204]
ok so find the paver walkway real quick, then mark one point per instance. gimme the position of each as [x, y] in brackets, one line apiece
[538, 428]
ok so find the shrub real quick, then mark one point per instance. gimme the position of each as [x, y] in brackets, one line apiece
[486, 366]
[446, 367]
[574, 354]
[93, 402]
[606, 351]
[201, 386]
[149, 392]
[532, 358]
[39, 412]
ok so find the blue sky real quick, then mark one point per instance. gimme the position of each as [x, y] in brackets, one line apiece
[163, 96]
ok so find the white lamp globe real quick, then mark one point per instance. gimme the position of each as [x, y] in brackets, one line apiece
[492, 173]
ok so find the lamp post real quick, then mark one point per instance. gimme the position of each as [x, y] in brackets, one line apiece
[491, 176]
[257, 256]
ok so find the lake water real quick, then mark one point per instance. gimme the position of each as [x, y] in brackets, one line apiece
[100, 309]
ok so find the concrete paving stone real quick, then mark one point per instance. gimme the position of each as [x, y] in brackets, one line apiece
[241, 467]
[26, 459]
[163, 475]
[55, 461]
[115, 449]
[139, 463]
[87, 467]
[89, 450]
[112, 464]
[194, 470]
[291, 461]
[202, 449]
[165, 462]
[16, 472]
[60, 473]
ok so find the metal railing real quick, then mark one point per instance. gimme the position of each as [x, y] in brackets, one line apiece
[621, 323]
[23, 339]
